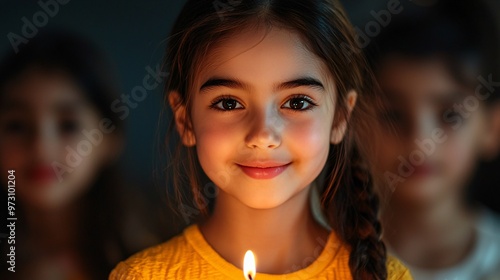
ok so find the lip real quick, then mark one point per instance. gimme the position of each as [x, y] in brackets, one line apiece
[424, 170]
[263, 170]
[41, 174]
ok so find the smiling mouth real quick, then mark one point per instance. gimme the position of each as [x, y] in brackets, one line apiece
[263, 171]
[41, 174]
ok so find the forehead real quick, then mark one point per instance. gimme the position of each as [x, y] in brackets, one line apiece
[263, 57]
[38, 90]
[417, 79]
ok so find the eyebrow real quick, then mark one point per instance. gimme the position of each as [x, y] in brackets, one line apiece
[450, 96]
[62, 106]
[236, 84]
[68, 106]
[12, 105]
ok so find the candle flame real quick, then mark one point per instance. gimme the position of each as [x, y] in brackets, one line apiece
[249, 266]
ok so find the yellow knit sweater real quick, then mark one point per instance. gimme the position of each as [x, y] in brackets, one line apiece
[189, 256]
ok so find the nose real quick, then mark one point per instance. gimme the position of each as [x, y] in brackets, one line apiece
[265, 130]
[424, 123]
[43, 140]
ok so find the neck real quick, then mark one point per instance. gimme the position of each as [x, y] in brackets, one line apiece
[433, 236]
[282, 237]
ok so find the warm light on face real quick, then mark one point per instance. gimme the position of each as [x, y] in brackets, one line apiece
[261, 82]
[249, 265]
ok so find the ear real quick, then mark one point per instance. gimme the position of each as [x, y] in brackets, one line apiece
[182, 123]
[491, 141]
[338, 131]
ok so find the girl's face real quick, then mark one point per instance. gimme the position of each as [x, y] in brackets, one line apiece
[262, 117]
[41, 117]
[425, 99]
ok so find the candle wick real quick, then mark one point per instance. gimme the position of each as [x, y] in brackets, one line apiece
[250, 277]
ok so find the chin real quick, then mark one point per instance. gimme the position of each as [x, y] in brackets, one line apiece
[420, 191]
[262, 203]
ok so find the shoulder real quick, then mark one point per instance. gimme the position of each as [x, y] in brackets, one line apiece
[396, 270]
[486, 255]
[488, 222]
[155, 261]
[487, 246]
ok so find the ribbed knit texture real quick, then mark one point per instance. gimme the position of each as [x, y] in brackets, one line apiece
[189, 256]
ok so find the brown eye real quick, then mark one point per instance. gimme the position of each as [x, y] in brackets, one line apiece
[15, 127]
[69, 127]
[299, 103]
[229, 104]
[226, 104]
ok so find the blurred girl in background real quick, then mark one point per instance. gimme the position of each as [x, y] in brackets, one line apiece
[69, 197]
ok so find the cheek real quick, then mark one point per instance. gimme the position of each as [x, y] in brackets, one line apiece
[87, 169]
[13, 155]
[216, 144]
[91, 161]
[460, 151]
[308, 141]
[387, 148]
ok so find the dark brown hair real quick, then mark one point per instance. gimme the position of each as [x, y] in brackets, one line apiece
[348, 198]
[459, 33]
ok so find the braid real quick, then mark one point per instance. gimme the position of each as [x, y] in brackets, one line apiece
[354, 217]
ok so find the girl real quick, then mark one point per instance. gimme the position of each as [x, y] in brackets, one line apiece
[265, 96]
[55, 87]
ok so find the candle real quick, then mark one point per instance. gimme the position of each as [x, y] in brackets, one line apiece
[249, 266]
